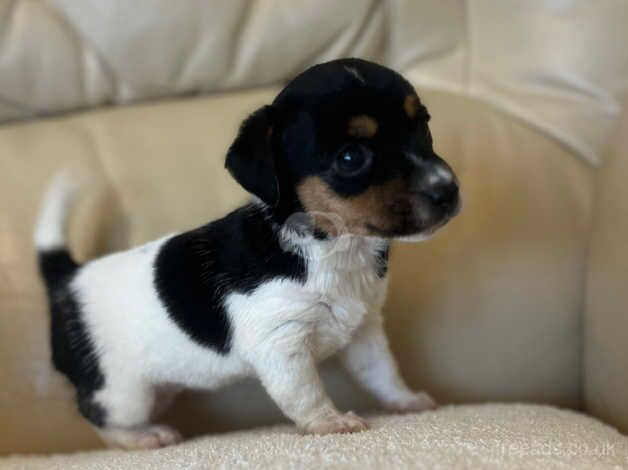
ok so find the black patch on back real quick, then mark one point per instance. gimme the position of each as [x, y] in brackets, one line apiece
[381, 261]
[196, 270]
[72, 350]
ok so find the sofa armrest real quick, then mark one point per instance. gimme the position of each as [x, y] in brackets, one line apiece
[606, 312]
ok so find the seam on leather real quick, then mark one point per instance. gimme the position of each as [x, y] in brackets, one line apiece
[82, 46]
[184, 63]
[377, 12]
[23, 110]
[320, 52]
[405, 64]
[4, 21]
[75, 39]
[238, 33]
[370, 15]
[529, 118]
[468, 57]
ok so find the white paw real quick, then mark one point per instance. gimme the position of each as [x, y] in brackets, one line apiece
[414, 402]
[147, 437]
[336, 423]
[155, 437]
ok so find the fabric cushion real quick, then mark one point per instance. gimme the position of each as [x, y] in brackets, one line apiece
[496, 437]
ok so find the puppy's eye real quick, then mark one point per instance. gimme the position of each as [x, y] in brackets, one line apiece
[352, 162]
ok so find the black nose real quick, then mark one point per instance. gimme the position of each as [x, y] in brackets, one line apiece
[443, 194]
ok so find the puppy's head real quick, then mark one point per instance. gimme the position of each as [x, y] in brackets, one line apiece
[348, 138]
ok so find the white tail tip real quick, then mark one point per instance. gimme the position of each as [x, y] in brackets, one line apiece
[50, 228]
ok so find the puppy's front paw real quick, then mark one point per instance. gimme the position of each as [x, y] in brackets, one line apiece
[414, 402]
[142, 437]
[336, 423]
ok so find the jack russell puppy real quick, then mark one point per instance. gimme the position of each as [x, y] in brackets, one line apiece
[340, 164]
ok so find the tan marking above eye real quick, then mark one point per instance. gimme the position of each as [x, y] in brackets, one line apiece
[362, 126]
[371, 207]
[411, 106]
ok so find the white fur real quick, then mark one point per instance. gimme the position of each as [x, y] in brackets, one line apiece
[440, 174]
[280, 331]
[138, 345]
[303, 324]
[50, 232]
[444, 173]
[437, 175]
[420, 237]
[353, 71]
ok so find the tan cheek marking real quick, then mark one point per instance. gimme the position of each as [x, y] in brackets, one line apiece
[411, 106]
[362, 126]
[373, 206]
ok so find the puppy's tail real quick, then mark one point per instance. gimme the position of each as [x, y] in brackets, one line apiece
[50, 237]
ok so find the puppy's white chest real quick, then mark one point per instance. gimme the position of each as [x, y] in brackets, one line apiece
[337, 318]
[348, 288]
[322, 312]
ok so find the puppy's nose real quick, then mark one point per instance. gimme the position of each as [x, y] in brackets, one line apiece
[443, 194]
[439, 185]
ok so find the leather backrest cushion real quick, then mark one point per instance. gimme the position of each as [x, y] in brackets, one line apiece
[559, 65]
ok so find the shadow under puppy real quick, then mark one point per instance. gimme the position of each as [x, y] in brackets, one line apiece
[339, 164]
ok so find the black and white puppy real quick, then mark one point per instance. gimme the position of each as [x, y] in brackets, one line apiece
[340, 164]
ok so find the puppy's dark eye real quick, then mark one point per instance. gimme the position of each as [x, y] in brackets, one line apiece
[352, 162]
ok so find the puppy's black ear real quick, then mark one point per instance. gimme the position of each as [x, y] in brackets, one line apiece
[250, 159]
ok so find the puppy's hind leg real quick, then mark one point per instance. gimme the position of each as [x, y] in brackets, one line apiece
[129, 406]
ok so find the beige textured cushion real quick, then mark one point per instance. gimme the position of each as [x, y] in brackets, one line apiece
[486, 437]
[486, 310]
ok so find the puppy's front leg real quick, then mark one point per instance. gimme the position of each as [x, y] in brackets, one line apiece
[292, 381]
[369, 359]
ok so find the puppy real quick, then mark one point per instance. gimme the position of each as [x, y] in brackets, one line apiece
[340, 164]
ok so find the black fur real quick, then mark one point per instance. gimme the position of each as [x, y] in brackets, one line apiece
[315, 107]
[382, 261]
[195, 270]
[250, 158]
[72, 349]
[304, 132]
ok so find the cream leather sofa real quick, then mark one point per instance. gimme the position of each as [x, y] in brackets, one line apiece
[523, 298]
